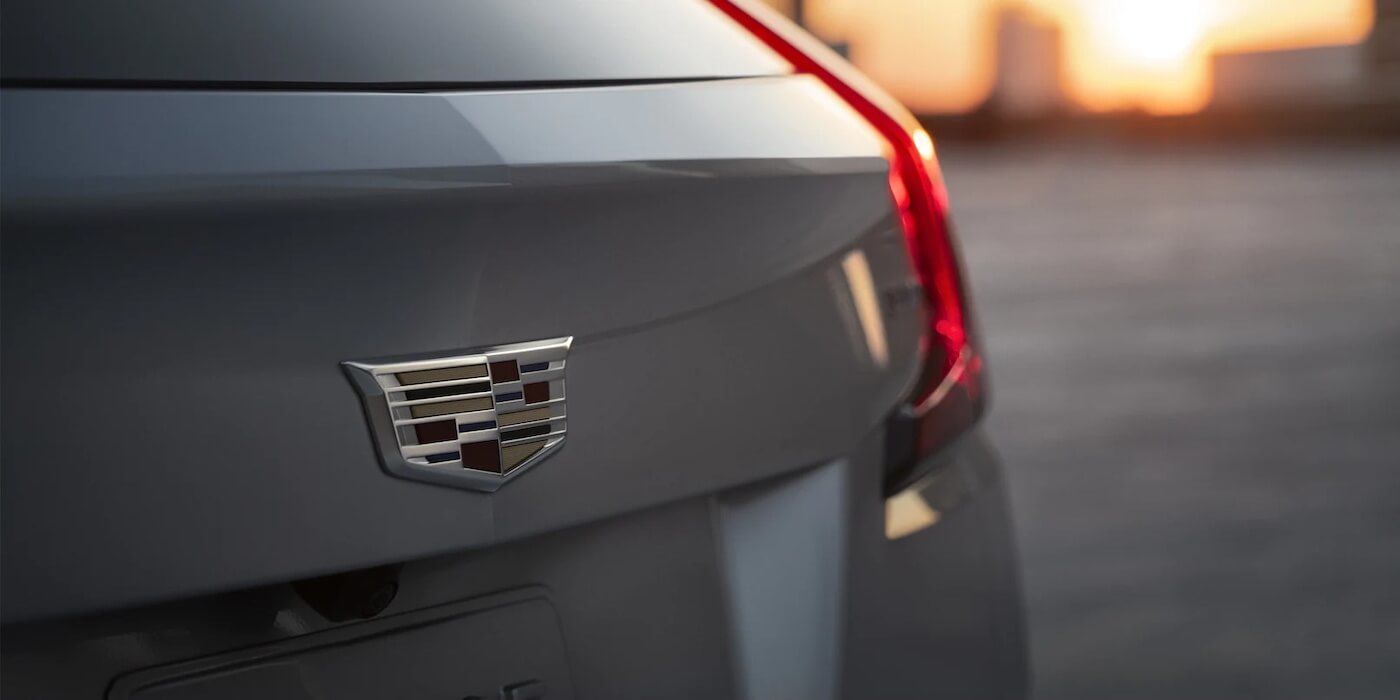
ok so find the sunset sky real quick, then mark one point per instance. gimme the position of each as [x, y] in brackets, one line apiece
[938, 55]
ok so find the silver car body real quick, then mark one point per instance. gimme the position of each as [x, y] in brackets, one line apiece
[186, 267]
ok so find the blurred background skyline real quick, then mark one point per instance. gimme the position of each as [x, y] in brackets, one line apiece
[1031, 58]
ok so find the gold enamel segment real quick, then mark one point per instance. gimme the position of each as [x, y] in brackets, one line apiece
[491, 412]
[445, 374]
[531, 415]
[512, 456]
[446, 407]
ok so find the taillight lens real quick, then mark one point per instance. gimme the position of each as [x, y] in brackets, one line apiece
[950, 395]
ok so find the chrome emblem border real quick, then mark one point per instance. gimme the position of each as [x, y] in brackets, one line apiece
[502, 400]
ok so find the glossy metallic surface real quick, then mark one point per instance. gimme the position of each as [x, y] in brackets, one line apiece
[407, 44]
[692, 268]
[186, 270]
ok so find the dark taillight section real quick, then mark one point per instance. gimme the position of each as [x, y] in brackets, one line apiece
[949, 397]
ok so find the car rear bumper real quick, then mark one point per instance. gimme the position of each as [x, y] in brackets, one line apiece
[785, 588]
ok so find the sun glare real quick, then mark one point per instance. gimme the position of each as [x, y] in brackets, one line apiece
[1152, 35]
[1145, 52]
[1155, 54]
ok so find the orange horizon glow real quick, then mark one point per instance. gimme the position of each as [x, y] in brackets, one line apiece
[1154, 55]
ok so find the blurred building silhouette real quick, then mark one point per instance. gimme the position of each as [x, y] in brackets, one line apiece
[1383, 49]
[1320, 75]
[1029, 57]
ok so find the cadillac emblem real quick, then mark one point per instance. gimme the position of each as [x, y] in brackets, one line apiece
[472, 420]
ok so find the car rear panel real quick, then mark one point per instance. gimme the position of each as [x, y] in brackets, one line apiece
[185, 270]
[185, 312]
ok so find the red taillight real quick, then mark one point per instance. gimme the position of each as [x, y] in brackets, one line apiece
[949, 397]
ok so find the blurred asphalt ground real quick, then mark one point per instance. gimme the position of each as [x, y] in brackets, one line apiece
[1195, 358]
